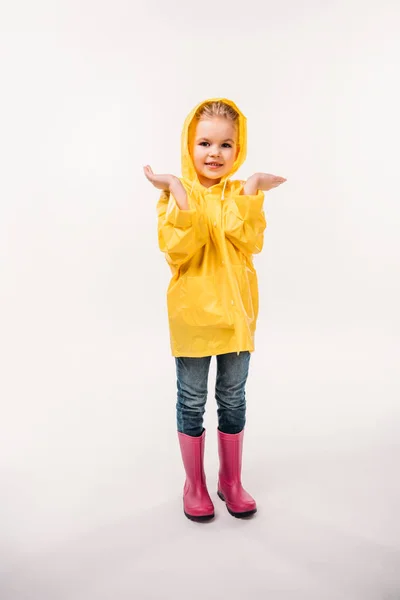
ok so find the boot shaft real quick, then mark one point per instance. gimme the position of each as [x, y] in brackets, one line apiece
[230, 451]
[192, 452]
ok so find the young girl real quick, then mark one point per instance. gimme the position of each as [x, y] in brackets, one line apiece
[209, 227]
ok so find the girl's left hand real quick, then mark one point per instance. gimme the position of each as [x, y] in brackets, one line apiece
[266, 182]
[261, 181]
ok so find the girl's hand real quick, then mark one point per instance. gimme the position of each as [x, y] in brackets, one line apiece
[262, 181]
[161, 182]
[168, 183]
[267, 182]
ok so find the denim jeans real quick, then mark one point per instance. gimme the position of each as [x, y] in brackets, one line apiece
[192, 379]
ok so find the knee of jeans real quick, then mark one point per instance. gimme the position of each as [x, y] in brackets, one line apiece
[232, 401]
[192, 402]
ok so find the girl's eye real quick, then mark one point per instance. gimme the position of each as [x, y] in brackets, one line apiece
[225, 145]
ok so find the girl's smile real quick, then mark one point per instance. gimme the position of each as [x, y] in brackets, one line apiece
[214, 165]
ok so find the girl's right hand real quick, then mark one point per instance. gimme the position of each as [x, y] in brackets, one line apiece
[161, 182]
[168, 183]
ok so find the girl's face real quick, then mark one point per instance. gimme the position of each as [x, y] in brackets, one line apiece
[214, 149]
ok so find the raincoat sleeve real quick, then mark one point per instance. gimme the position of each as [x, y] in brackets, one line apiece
[181, 233]
[245, 222]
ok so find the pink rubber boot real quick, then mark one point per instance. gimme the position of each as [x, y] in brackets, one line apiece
[238, 502]
[197, 504]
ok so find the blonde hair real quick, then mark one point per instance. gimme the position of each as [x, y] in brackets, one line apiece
[217, 109]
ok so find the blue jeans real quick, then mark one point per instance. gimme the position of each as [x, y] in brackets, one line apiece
[192, 379]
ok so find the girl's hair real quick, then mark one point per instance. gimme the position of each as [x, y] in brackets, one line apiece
[217, 109]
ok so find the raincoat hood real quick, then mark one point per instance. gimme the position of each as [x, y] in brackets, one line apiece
[188, 170]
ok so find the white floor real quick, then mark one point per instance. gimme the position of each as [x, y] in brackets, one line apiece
[92, 480]
[327, 528]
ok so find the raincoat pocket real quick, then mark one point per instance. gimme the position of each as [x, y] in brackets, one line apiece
[200, 301]
[247, 285]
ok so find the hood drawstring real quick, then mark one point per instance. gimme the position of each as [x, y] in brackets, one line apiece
[222, 199]
[223, 190]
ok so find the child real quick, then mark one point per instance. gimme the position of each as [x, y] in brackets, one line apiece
[209, 227]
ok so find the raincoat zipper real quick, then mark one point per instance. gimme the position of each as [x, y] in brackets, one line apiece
[225, 255]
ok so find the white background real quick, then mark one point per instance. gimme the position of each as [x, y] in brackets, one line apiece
[91, 476]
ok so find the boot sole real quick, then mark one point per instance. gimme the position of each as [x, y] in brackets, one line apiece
[238, 515]
[200, 519]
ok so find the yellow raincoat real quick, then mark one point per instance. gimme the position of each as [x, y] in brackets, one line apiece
[212, 297]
